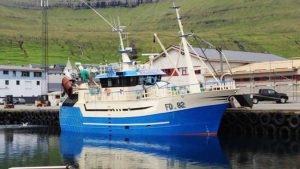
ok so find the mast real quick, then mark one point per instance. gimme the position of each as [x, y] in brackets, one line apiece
[44, 6]
[193, 81]
[123, 51]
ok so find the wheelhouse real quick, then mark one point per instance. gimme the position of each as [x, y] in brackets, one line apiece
[130, 78]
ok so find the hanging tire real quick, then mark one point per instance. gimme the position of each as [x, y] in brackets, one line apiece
[297, 134]
[232, 119]
[280, 148]
[259, 130]
[285, 133]
[271, 130]
[279, 119]
[255, 100]
[242, 118]
[253, 118]
[294, 121]
[249, 129]
[239, 130]
[294, 147]
[265, 118]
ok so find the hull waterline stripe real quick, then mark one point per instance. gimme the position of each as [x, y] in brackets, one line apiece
[132, 124]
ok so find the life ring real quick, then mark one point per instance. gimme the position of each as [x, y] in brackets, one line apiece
[107, 91]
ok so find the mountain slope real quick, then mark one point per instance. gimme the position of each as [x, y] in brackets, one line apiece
[271, 26]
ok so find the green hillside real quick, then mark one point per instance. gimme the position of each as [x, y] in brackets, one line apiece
[271, 26]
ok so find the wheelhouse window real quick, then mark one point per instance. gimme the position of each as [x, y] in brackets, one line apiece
[6, 82]
[129, 81]
[5, 72]
[17, 82]
[25, 74]
[37, 74]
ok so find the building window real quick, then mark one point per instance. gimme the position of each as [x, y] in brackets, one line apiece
[6, 82]
[37, 74]
[25, 74]
[184, 71]
[17, 82]
[38, 83]
[170, 72]
[5, 72]
[197, 72]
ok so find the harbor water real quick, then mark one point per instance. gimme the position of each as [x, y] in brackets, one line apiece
[49, 147]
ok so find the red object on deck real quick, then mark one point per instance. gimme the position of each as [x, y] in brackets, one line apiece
[67, 84]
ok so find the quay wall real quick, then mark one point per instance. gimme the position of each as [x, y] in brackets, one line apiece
[49, 117]
[279, 123]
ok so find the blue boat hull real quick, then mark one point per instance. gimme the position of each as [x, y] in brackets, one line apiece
[194, 121]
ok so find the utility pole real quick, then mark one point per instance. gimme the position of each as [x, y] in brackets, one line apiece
[44, 6]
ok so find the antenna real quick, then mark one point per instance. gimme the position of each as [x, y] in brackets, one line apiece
[116, 28]
[44, 6]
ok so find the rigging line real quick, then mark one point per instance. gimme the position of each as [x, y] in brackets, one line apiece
[98, 14]
[209, 62]
[176, 64]
[211, 45]
[189, 45]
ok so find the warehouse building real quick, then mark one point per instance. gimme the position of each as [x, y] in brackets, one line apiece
[19, 81]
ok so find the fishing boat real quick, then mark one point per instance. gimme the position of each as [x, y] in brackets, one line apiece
[130, 100]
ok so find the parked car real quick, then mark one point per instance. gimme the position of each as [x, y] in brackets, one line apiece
[15, 101]
[19, 101]
[1, 101]
[269, 95]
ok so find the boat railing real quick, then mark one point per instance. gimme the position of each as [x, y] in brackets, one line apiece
[152, 92]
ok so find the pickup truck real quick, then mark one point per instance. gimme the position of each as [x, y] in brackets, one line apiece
[269, 95]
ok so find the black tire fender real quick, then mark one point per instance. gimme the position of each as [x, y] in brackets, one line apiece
[294, 121]
[279, 119]
[265, 118]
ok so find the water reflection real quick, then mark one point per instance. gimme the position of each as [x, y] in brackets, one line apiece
[43, 147]
[98, 151]
[28, 147]
[261, 152]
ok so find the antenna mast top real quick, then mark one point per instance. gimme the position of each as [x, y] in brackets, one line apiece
[44, 3]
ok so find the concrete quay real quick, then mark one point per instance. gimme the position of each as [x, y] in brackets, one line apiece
[29, 115]
[266, 119]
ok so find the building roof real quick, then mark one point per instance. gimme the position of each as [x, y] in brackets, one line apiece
[232, 56]
[261, 67]
[55, 71]
[239, 55]
[19, 68]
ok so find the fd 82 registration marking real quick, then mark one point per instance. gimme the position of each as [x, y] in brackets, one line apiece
[170, 106]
